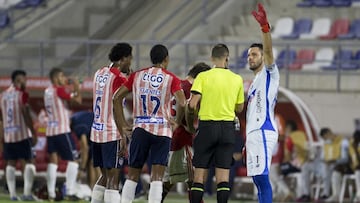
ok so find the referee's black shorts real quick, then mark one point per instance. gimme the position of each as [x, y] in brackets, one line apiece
[214, 142]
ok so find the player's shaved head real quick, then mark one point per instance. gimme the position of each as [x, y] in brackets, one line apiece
[219, 51]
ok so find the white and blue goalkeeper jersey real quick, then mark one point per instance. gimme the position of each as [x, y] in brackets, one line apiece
[262, 97]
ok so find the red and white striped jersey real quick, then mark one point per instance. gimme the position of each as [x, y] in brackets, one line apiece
[152, 92]
[12, 101]
[106, 82]
[57, 110]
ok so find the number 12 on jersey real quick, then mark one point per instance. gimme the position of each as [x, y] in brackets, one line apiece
[154, 100]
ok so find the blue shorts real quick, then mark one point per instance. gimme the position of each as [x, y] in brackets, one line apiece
[105, 155]
[63, 145]
[18, 150]
[143, 144]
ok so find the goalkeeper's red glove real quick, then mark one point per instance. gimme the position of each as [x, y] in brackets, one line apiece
[260, 16]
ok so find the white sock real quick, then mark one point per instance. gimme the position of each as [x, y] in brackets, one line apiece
[128, 191]
[10, 180]
[29, 173]
[155, 192]
[97, 195]
[71, 174]
[111, 196]
[51, 179]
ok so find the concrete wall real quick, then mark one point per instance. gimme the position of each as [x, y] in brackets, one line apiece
[334, 110]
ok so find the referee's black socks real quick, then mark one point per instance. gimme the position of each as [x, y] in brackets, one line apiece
[197, 192]
[223, 192]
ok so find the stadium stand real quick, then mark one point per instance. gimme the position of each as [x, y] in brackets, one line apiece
[323, 57]
[283, 26]
[354, 31]
[4, 19]
[321, 26]
[304, 56]
[285, 58]
[341, 3]
[301, 26]
[325, 3]
[339, 27]
[343, 60]
[28, 3]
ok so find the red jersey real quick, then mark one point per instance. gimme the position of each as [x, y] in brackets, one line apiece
[106, 82]
[12, 101]
[181, 137]
[57, 110]
[152, 91]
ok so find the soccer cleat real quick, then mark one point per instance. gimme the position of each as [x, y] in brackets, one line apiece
[14, 198]
[29, 198]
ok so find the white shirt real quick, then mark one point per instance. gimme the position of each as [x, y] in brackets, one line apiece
[262, 96]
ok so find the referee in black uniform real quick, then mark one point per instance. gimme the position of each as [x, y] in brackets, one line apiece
[220, 93]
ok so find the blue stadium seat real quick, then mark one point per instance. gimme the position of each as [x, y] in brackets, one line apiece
[354, 30]
[285, 58]
[242, 60]
[305, 3]
[341, 3]
[34, 3]
[28, 3]
[356, 59]
[343, 59]
[323, 3]
[4, 19]
[302, 25]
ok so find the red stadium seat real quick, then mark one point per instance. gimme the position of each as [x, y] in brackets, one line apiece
[339, 27]
[304, 56]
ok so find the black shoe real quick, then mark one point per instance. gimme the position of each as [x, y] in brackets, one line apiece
[304, 198]
[71, 198]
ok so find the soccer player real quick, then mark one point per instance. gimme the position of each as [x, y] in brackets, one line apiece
[220, 93]
[15, 138]
[109, 145]
[180, 168]
[80, 124]
[261, 128]
[56, 98]
[152, 89]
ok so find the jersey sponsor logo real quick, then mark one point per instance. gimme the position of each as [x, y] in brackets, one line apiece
[258, 102]
[98, 126]
[53, 124]
[102, 79]
[12, 129]
[154, 80]
[149, 119]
